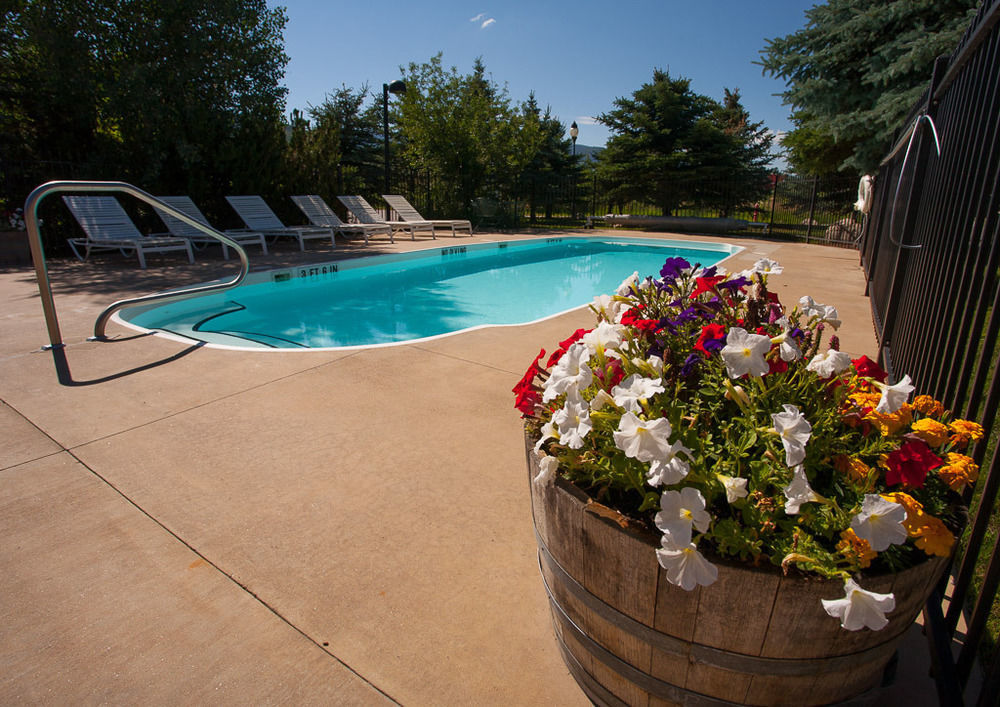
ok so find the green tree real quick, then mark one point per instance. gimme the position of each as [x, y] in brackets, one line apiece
[183, 96]
[853, 73]
[552, 164]
[671, 146]
[465, 130]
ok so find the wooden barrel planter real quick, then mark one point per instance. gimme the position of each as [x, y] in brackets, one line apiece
[753, 637]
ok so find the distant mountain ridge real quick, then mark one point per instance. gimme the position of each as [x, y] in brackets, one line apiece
[587, 152]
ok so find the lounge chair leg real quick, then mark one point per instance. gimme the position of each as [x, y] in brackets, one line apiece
[142, 257]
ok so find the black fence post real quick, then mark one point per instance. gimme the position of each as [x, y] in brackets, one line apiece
[812, 208]
[774, 201]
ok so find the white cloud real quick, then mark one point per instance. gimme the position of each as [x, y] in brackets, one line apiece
[488, 23]
[586, 120]
[478, 17]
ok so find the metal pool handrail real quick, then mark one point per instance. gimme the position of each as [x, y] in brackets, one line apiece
[41, 269]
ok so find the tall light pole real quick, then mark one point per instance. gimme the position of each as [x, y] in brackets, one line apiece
[397, 87]
[573, 132]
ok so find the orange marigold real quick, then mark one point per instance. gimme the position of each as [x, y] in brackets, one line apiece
[855, 469]
[965, 432]
[926, 405]
[914, 510]
[855, 549]
[958, 471]
[931, 431]
[891, 424]
[934, 538]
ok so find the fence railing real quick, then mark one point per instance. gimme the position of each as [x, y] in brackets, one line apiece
[931, 251]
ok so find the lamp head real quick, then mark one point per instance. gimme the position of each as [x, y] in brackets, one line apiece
[573, 131]
[397, 87]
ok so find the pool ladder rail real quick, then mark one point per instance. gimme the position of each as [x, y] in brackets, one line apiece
[41, 269]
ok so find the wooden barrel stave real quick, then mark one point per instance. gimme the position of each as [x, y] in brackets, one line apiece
[780, 619]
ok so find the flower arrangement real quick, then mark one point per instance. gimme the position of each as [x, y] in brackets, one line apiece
[699, 406]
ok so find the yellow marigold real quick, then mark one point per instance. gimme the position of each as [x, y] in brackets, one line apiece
[855, 469]
[934, 538]
[958, 471]
[855, 549]
[965, 432]
[926, 405]
[863, 401]
[891, 424]
[914, 510]
[931, 431]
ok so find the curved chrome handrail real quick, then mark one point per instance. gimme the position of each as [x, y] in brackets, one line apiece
[41, 269]
[902, 170]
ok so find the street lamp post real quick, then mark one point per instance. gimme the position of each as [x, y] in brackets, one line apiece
[397, 87]
[573, 132]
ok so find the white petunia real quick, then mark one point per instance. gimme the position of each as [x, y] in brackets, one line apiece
[880, 522]
[606, 336]
[679, 511]
[635, 388]
[794, 431]
[572, 372]
[893, 396]
[766, 266]
[546, 469]
[685, 566]
[669, 471]
[798, 491]
[548, 431]
[829, 364]
[609, 308]
[744, 353]
[654, 362]
[573, 421]
[601, 400]
[788, 347]
[860, 608]
[628, 283]
[823, 312]
[643, 440]
[736, 487]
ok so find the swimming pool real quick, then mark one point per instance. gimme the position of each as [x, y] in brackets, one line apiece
[391, 299]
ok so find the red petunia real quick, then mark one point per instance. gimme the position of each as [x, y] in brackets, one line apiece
[776, 365]
[706, 284]
[910, 463]
[631, 318]
[564, 345]
[869, 369]
[527, 395]
[711, 339]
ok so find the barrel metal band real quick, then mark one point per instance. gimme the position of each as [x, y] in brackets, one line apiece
[707, 655]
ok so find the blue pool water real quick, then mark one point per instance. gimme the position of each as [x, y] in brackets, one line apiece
[395, 298]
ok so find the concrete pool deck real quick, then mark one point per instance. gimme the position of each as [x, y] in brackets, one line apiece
[189, 525]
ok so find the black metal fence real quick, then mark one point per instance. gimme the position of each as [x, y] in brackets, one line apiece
[931, 251]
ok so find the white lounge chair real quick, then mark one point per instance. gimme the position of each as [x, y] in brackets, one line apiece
[407, 213]
[364, 213]
[183, 230]
[320, 214]
[257, 215]
[108, 227]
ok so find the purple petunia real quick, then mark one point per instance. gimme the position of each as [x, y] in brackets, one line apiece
[673, 268]
[689, 365]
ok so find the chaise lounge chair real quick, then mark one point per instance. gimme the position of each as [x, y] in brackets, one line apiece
[183, 230]
[364, 213]
[409, 214]
[257, 215]
[108, 227]
[320, 214]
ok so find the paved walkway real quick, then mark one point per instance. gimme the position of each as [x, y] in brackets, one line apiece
[189, 525]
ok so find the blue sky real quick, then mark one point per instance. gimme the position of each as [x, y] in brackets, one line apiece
[577, 57]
